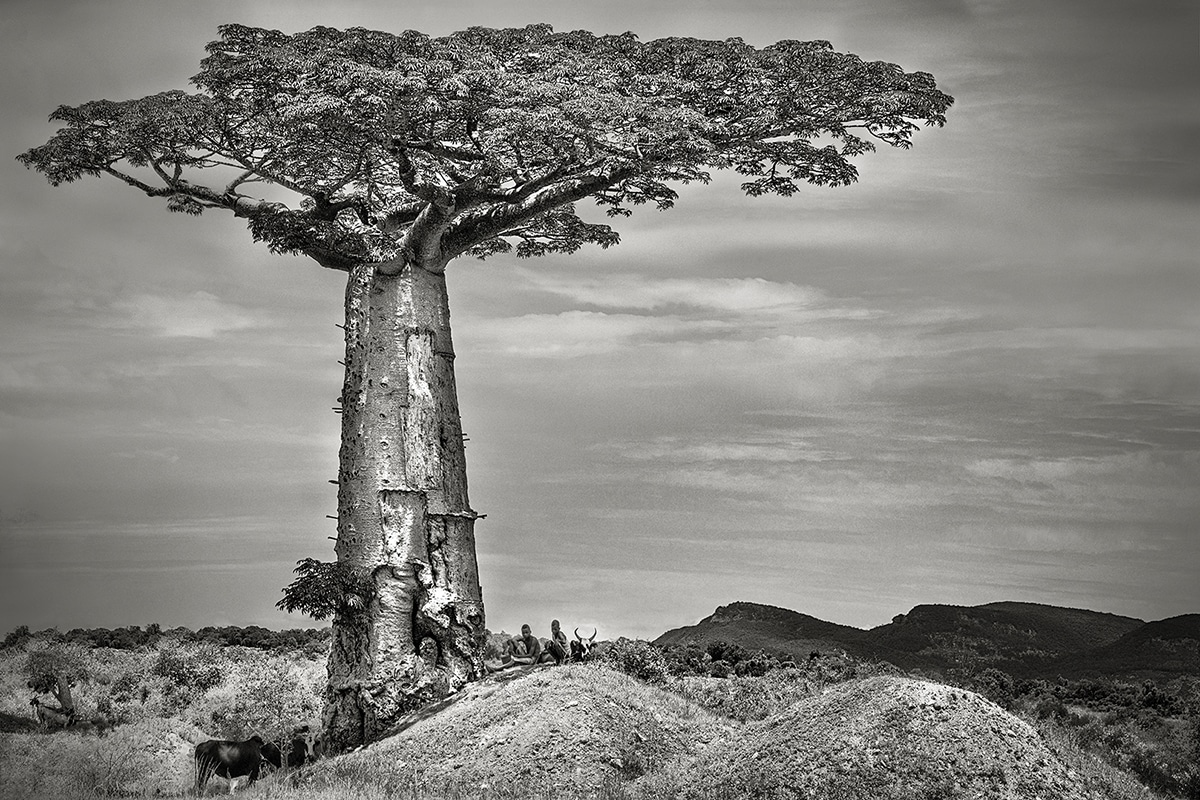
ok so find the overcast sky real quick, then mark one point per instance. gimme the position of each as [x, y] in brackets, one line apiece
[973, 376]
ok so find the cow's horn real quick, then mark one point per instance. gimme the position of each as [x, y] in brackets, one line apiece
[594, 632]
[577, 636]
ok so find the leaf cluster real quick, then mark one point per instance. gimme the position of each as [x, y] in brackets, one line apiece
[407, 145]
[323, 588]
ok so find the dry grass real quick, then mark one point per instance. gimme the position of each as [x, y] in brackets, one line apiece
[560, 734]
[414, 787]
[1099, 778]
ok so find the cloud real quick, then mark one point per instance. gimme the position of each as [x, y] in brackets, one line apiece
[644, 292]
[723, 328]
[573, 334]
[751, 449]
[165, 455]
[196, 315]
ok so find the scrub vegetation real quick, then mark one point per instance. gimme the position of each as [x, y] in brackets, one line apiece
[640, 723]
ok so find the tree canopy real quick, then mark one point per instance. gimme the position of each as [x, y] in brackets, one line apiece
[482, 141]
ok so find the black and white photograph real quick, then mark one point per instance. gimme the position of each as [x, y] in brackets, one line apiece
[600, 400]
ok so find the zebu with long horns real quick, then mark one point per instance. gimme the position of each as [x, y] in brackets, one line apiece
[581, 649]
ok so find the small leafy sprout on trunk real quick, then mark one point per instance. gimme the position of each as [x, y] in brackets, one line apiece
[323, 589]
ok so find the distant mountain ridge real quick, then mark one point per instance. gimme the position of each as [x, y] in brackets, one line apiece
[761, 627]
[1024, 639]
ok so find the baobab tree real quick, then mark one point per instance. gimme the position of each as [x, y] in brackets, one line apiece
[395, 154]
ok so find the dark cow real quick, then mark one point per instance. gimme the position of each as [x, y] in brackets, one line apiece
[303, 746]
[232, 760]
[581, 649]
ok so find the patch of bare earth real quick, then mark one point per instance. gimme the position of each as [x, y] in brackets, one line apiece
[567, 732]
[559, 731]
[884, 737]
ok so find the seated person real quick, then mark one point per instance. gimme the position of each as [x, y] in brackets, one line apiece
[557, 647]
[519, 651]
[526, 647]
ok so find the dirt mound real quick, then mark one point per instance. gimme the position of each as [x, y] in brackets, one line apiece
[569, 731]
[560, 730]
[884, 737]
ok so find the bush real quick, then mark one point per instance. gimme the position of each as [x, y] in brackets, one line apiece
[268, 696]
[1050, 708]
[144, 759]
[16, 637]
[46, 667]
[637, 658]
[996, 685]
[731, 653]
[190, 670]
[756, 666]
[686, 659]
[127, 695]
[746, 697]
[1164, 703]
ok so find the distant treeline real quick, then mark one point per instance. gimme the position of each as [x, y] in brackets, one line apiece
[135, 636]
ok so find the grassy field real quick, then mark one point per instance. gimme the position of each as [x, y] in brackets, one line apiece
[634, 729]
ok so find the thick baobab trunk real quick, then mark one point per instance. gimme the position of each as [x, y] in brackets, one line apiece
[412, 631]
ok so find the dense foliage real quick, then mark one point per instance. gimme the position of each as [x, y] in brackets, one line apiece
[482, 141]
[637, 658]
[134, 637]
[1147, 729]
[149, 704]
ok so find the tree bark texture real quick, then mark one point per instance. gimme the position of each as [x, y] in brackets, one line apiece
[412, 630]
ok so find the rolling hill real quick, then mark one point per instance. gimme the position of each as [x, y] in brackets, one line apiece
[1020, 638]
[1158, 650]
[1025, 639]
[760, 627]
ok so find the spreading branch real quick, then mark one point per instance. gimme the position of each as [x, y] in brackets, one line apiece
[418, 148]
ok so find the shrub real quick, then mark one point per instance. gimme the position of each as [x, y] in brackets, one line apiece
[127, 695]
[686, 659]
[720, 669]
[35, 765]
[1164, 703]
[17, 636]
[637, 658]
[46, 667]
[190, 670]
[996, 685]
[729, 652]
[265, 695]
[144, 758]
[757, 666]
[1050, 708]
[745, 697]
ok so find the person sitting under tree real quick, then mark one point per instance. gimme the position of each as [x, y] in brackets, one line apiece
[527, 648]
[557, 647]
[520, 651]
